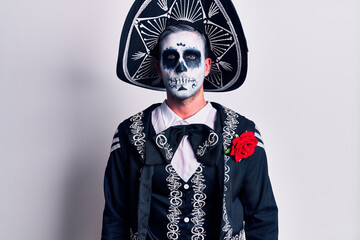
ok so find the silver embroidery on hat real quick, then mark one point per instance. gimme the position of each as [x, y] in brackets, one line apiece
[163, 4]
[187, 10]
[213, 10]
[138, 55]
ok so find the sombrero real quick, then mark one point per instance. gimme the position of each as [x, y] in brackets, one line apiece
[216, 19]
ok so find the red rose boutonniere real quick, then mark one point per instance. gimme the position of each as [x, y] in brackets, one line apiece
[243, 146]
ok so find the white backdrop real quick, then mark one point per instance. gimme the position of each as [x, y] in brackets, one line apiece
[61, 102]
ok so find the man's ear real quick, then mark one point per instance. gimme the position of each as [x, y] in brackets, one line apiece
[158, 68]
[207, 66]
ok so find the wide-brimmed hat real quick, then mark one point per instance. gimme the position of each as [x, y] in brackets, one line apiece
[216, 19]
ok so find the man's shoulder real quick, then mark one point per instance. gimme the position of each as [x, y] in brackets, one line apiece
[233, 123]
[231, 117]
[138, 120]
[133, 129]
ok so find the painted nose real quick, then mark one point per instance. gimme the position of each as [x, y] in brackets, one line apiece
[181, 67]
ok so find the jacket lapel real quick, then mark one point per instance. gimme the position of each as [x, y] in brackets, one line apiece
[227, 120]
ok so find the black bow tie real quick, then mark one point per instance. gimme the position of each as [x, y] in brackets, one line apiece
[203, 140]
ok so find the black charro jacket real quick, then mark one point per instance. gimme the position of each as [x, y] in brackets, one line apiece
[248, 203]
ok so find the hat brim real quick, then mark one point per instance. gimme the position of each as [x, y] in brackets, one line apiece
[218, 19]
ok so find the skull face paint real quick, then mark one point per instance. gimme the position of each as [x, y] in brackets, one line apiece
[182, 63]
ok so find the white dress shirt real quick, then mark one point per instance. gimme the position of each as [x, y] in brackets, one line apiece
[184, 160]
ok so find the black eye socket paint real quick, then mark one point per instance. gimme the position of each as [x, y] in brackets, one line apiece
[192, 58]
[170, 57]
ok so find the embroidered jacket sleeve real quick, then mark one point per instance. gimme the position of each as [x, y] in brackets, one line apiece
[116, 188]
[260, 210]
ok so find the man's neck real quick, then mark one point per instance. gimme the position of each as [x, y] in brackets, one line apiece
[187, 107]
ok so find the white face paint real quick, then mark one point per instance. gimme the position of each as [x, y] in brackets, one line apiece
[182, 63]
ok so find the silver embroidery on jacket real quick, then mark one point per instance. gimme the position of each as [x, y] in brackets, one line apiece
[116, 146]
[137, 128]
[162, 142]
[115, 140]
[198, 202]
[228, 134]
[133, 236]
[211, 141]
[175, 202]
[258, 136]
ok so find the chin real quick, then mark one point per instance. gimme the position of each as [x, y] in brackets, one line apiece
[183, 95]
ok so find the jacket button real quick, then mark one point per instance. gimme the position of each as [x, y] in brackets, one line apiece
[186, 219]
[186, 186]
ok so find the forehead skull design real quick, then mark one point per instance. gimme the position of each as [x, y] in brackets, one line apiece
[182, 63]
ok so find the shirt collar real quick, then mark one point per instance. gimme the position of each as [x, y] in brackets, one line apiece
[206, 115]
[168, 116]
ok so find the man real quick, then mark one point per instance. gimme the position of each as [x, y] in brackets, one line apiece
[186, 169]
